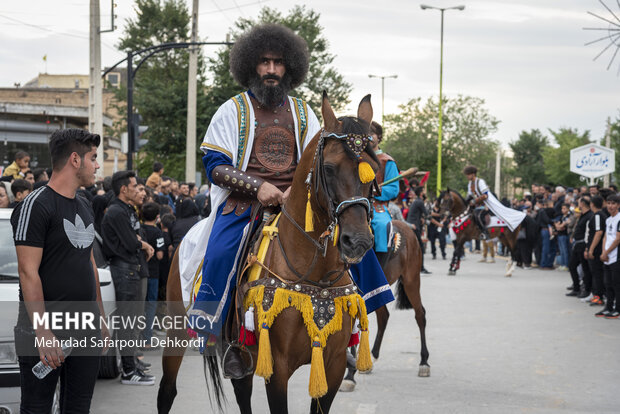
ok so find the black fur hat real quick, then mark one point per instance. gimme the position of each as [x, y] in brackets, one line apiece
[272, 38]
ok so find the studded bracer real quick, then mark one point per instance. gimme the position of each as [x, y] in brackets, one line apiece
[274, 153]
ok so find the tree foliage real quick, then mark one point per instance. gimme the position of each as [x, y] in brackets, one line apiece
[321, 74]
[160, 85]
[411, 138]
[528, 156]
[557, 158]
[615, 145]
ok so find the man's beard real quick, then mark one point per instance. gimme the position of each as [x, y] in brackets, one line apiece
[270, 95]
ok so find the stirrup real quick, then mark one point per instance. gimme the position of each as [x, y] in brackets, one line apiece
[236, 344]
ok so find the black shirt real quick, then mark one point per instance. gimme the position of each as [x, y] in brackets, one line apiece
[542, 219]
[118, 230]
[580, 228]
[596, 223]
[416, 213]
[64, 228]
[154, 237]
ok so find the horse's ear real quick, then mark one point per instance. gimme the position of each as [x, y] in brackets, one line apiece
[329, 118]
[364, 111]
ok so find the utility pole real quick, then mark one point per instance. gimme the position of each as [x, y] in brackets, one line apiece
[607, 178]
[95, 94]
[383, 93]
[190, 138]
[498, 168]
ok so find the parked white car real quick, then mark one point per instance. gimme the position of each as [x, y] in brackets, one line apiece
[9, 290]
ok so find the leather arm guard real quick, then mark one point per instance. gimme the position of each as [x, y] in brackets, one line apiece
[236, 181]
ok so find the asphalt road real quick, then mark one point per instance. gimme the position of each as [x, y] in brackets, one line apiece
[497, 345]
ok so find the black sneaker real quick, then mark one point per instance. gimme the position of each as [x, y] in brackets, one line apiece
[602, 313]
[571, 287]
[425, 272]
[143, 366]
[613, 315]
[583, 295]
[137, 377]
[573, 293]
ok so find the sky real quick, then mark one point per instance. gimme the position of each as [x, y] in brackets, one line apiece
[526, 58]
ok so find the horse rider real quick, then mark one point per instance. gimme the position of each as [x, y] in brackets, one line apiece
[252, 146]
[382, 219]
[479, 193]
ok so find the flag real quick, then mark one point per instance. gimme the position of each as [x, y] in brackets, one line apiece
[44, 58]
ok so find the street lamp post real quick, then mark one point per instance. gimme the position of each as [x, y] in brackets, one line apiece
[442, 10]
[383, 91]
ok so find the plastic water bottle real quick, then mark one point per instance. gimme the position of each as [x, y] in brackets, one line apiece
[40, 370]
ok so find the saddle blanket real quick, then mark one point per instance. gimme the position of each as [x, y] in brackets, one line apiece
[496, 222]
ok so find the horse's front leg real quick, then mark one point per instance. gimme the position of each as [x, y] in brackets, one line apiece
[277, 387]
[243, 393]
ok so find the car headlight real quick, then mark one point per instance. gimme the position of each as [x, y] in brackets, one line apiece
[7, 353]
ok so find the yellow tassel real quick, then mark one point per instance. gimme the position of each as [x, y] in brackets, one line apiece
[364, 363]
[366, 172]
[264, 363]
[336, 234]
[318, 382]
[309, 220]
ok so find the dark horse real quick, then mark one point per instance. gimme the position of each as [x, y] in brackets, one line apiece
[453, 203]
[329, 175]
[402, 265]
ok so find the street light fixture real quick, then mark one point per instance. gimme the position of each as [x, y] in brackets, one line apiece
[382, 90]
[442, 10]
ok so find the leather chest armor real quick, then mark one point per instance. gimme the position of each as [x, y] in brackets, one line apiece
[274, 152]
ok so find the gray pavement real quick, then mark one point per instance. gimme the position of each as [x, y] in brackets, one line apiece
[497, 345]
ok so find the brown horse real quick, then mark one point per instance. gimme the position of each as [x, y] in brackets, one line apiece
[402, 265]
[454, 204]
[329, 175]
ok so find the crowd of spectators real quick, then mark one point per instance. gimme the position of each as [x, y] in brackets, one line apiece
[164, 210]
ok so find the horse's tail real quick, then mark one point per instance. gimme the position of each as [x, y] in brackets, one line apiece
[402, 301]
[212, 376]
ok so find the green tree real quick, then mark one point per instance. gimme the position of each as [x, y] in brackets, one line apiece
[321, 74]
[160, 88]
[528, 156]
[615, 145]
[557, 158]
[411, 138]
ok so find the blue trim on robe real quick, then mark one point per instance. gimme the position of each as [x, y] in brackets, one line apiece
[212, 159]
[368, 277]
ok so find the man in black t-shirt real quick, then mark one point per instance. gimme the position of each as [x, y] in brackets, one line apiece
[594, 248]
[155, 238]
[579, 247]
[123, 246]
[416, 216]
[53, 232]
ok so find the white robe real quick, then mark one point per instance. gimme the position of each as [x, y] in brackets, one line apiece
[224, 135]
[511, 216]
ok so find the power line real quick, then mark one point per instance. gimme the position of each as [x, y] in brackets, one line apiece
[43, 28]
[220, 10]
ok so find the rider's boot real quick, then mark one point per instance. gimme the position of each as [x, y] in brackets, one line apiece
[234, 367]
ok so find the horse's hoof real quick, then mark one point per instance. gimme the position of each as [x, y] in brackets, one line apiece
[347, 386]
[424, 371]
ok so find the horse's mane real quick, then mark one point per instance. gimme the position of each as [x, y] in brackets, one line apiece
[457, 193]
[353, 125]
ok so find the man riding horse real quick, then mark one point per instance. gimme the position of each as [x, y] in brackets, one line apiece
[478, 192]
[252, 146]
[381, 219]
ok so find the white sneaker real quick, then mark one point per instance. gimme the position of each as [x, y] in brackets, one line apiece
[491, 260]
[483, 260]
[587, 298]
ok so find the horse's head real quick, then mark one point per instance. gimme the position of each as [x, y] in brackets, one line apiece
[445, 202]
[345, 166]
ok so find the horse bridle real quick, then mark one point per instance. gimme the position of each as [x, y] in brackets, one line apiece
[318, 182]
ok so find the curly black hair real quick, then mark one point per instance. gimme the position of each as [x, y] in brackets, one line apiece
[273, 38]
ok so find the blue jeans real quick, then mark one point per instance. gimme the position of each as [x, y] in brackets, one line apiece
[545, 259]
[150, 306]
[564, 246]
